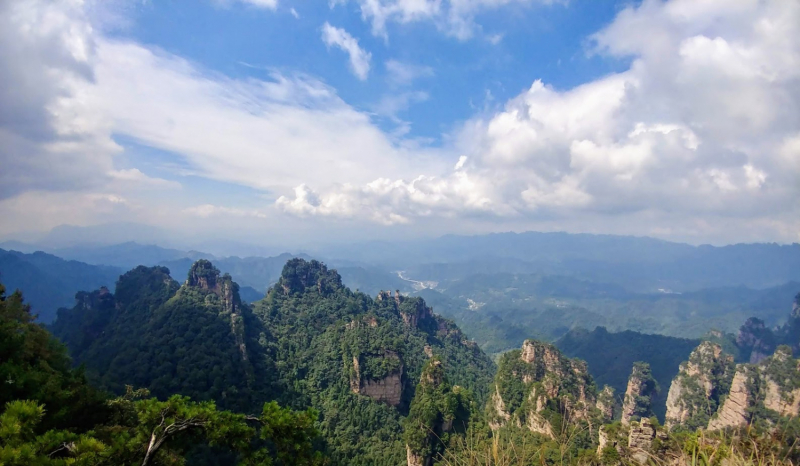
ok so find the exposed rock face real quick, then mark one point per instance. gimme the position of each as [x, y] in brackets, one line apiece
[388, 389]
[734, 411]
[756, 340]
[695, 392]
[204, 276]
[780, 376]
[414, 459]
[552, 383]
[605, 403]
[413, 310]
[640, 440]
[773, 384]
[641, 388]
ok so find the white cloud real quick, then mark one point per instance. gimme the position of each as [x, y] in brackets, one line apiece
[454, 17]
[268, 4]
[359, 58]
[210, 210]
[403, 74]
[135, 176]
[294, 13]
[702, 126]
[699, 138]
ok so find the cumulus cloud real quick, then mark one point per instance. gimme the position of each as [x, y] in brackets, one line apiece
[359, 58]
[454, 17]
[699, 136]
[704, 123]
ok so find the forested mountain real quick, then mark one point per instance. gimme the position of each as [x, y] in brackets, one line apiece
[50, 282]
[311, 342]
[501, 310]
[197, 339]
[50, 416]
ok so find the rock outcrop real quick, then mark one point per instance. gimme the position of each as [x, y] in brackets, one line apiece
[537, 382]
[734, 410]
[755, 340]
[605, 403]
[387, 389]
[781, 382]
[640, 440]
[204, 276]
[696, 391]
[773, 385]
[641, 388]
[413, 310]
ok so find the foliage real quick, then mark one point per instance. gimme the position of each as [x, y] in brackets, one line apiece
[610, 357]
[84, 428]
[35, 366]
[437, 409]
[171, 339]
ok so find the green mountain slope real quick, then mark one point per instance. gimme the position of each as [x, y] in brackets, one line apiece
[197, 339]
[311, 342]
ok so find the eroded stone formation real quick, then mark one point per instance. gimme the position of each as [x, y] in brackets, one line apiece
[642, 386]
[695, 392]
[773, 384]
[550, 383]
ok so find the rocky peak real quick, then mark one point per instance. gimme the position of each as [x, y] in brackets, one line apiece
[755, 340]
[300, 275]
[100, 298]
[638, 395]
[734, 411]
[538, 380]
[203, 275]
[696, 391]
[414, 312]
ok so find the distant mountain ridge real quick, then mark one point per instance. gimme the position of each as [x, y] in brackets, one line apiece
[49, 282]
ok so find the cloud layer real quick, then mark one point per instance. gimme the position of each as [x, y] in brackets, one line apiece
[704, 123]
[698, 138]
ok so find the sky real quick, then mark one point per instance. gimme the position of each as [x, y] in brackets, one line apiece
[293, 122]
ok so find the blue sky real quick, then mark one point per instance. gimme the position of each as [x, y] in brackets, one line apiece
[549, 42]
[380, 119]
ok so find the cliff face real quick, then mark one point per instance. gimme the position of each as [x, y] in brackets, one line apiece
[641, 388]
[388, 389]
[606, 403]
[734, 411]
[772, 385]
[696, 391]
[537, 382]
